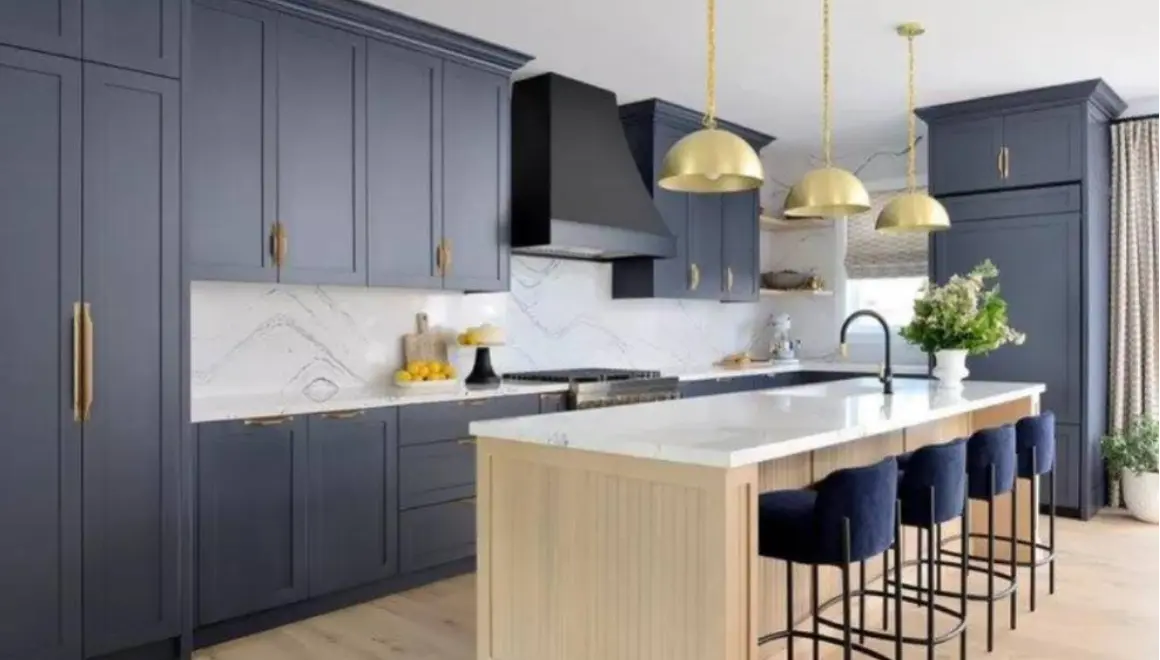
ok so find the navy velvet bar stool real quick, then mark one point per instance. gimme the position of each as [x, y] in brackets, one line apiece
[932, 491]
[991, 469]
[848, 517]
[1035, 445]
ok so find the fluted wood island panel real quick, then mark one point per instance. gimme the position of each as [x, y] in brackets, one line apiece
[586, 551]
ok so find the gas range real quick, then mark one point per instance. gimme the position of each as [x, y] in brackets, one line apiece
[601, 388]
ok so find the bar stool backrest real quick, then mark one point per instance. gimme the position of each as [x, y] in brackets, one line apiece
[938, 471]
[864, 495]
[987, 448]
[1036, 432]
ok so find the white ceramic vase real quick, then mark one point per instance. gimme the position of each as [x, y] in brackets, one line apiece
[1142, 495]
[950, 368]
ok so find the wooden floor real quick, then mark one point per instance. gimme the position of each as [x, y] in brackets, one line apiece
[1105, 607]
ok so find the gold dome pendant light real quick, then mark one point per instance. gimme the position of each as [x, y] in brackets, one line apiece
[827, 192]
[711, 160]
[913, 210]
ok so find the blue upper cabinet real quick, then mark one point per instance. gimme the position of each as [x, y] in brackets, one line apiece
[716, 235]
[316, 154]
[134, 34]
[52, 26]
[1015, 140]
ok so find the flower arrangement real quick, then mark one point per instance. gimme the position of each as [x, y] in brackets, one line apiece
[963, 314]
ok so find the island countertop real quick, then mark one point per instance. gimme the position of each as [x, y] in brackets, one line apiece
[732, 430]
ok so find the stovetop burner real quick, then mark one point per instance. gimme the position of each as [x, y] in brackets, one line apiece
[581, 375]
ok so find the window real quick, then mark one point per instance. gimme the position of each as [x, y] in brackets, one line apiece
[892, 297]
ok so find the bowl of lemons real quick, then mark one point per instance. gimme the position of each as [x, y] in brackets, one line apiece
[427, 375]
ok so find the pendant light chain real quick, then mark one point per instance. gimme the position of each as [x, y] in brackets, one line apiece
[911, 121]
[710, 118]
[826, 101]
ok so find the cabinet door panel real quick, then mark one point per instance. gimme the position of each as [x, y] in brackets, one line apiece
[230, 127]
[1043, 294]
[321, 153]
[131, 278]
[251, 518]
[965, 155]
[134, 34]
[40, 233]
[433, 422]
[1044, 146]
[671, 275]
[434, 535]
[53, 26]
[404, 166]
[739, 247]
[353, 507]
[1068, 464]
[476, 180]
[705, 245]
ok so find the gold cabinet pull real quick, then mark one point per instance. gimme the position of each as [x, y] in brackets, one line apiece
[87, 312]
[343, 414]
[439, 258]
[694, 277]
[466, 441]
[729, 278]
[446, 256]
[999, 161]
[1006, 162]
[274, 245]
[78, 362]
[268, 421]
[283, 244]
[473, 402]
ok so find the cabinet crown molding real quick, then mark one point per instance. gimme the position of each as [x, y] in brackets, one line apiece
[1094, 91]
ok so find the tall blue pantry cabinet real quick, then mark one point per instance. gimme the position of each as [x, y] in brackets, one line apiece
[1025, 178]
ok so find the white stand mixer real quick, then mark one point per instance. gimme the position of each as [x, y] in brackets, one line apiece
[783, 347]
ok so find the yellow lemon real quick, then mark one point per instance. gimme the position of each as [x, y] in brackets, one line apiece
[449, 371]
[435, 367]
[403, 375]
[423, 370]
[413, 368]
[461, 338]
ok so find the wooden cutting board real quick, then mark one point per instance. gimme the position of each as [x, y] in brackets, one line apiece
[424, 344]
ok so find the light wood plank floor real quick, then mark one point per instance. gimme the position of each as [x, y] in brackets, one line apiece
[1105, 607]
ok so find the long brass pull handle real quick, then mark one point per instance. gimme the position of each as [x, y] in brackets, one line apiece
[267, 421]
[87, 312]
[283, 244]
[999, 161]
[274, 245]
[78, 361]
[694, 277]
[344, 414]
[439, 259]
[446, 256]
[729, 278]
[1006, 162]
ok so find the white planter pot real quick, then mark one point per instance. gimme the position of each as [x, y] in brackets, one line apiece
[1142, 495]
[950, 368]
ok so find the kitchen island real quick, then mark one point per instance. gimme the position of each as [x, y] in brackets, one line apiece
[631, 532]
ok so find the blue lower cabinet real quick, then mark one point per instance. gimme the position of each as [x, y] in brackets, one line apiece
[439, 534]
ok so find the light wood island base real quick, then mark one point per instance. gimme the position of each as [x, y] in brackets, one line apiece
[585, 555]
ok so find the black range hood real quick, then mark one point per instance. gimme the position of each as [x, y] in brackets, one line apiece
[576, 190]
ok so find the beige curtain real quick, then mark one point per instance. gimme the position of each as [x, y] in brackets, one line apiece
[1134, 272]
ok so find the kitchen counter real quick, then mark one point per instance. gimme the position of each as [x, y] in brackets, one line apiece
[246, 406]
[647, 514]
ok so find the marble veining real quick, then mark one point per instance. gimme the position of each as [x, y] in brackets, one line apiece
[731, 430]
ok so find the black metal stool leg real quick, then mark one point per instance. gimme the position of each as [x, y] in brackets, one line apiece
[964, 568]
[930, 548]
[1034, 524]
[897, 579]
[1051, 531]
[1015, 550]
[938, 544]
[918, 560]
[991, 559]
[885, 597]
[847, 634]
[789, 608]
[814, 605]
[862, 601]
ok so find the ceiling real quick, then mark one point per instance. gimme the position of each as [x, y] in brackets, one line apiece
[768, 70]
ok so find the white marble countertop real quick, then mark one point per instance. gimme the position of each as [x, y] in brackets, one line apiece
[248, 405]
[731, 430]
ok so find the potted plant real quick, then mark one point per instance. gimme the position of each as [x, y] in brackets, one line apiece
[963, 317]
[1132, 456]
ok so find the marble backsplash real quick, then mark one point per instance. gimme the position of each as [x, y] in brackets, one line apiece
[264, 338]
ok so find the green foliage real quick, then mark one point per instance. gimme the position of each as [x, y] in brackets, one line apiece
[1135, 447]
[962, 314]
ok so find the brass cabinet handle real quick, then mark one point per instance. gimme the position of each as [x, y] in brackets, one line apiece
[446, 256]
[466, 441]
[729, 278]
[439, 258]
[999, 161]
[283, 244]
[473, 402]
[694, 277]
[1006, 162]
[87, 312]
[268, 421]
[343, 414]
[274, 250]
[78, 362]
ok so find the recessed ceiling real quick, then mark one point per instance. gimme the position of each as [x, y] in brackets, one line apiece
[768, 71]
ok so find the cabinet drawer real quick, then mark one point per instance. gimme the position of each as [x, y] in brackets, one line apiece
[436, 472]
[439, 534]
[434, 422]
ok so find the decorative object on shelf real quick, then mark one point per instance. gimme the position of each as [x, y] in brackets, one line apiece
[1132, 456]
[913, 210]
[783, 347]
[962, 317]
[711, 160]
[483, 338]
[827, 192]
[792, 280]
